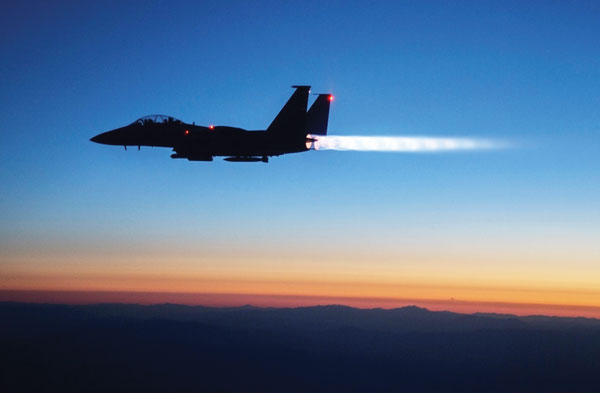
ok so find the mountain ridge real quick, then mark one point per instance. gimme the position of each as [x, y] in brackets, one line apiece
[169, 347]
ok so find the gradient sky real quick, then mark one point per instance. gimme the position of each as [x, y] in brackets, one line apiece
[520, 225]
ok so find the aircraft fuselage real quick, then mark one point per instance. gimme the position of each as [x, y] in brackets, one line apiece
[192, 141]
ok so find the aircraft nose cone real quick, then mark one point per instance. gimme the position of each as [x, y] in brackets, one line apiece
[107, 138]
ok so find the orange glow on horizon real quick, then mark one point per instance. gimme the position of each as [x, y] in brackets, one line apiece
[463, 285]
[325, 284]
[222, 288]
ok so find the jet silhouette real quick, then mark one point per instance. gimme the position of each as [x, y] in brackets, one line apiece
[286, 134]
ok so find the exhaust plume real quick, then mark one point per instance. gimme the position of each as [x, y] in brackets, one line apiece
[397, 143]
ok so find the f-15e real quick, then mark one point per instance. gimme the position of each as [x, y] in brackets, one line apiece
[290, 132]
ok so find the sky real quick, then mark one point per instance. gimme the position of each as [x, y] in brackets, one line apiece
[508, 230]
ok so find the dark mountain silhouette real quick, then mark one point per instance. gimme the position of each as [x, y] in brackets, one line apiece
[108, 347]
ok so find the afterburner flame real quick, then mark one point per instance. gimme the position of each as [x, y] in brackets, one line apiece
[399, 143]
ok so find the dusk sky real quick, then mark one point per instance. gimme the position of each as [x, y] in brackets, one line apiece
[509, 230]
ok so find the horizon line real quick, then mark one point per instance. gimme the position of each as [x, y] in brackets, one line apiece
[146, 298]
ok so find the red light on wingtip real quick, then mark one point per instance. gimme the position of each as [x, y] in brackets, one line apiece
[187, 132]
[211, 127]
[330, 98]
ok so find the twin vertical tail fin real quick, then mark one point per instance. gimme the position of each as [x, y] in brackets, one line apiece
[318, 115]
[291, 120]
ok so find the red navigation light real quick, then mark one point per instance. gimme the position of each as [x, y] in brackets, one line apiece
[330, 98]
[187, 132]
[211, 127]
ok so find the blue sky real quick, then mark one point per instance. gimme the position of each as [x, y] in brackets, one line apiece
[525, 72]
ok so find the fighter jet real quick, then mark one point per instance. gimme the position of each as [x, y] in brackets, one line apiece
[290, 132]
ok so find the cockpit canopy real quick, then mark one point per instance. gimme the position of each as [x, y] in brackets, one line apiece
[156, 119]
